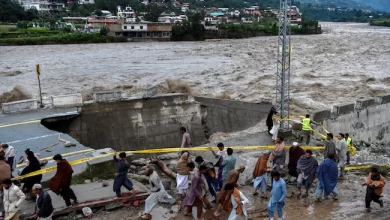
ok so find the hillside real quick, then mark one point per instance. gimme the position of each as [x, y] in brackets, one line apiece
[382, 5]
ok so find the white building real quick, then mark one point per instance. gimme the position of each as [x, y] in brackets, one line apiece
[43, 5]
[86, 2]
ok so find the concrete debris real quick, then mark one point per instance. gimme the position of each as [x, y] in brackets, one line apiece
[87, 211]
[105, 183]
[132, 167]
[168, 156]
[140, 162]
[87, 181]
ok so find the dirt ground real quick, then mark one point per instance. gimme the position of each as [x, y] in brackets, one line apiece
[349, 206]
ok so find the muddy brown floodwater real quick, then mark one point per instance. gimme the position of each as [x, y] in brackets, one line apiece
[348, 61]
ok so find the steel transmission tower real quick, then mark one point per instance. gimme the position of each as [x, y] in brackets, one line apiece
[283, 69]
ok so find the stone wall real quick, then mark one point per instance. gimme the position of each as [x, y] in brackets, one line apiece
[369, 121]
[155, 122]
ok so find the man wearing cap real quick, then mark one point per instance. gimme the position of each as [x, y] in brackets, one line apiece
[294, 153]
[43, 208]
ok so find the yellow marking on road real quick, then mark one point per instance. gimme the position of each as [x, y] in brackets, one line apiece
[20, 123]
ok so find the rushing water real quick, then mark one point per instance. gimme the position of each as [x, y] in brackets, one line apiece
[338, 63]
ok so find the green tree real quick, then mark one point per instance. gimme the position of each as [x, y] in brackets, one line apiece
[153, 12]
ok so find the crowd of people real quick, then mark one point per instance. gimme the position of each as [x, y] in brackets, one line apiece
[199, 179]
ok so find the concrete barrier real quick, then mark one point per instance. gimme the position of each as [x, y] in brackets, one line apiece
[320, 115]
[382, 99]
[364, 103]
[20, 106]
[67, 100]
[107, 96]
[343, 109]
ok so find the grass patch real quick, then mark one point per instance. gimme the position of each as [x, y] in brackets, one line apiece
[103, 171]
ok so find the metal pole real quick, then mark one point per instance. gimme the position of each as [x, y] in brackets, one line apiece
[39, 83]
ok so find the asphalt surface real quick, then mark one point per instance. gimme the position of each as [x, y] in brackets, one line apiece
[22, 131]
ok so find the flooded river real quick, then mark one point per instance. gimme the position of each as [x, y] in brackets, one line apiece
[348, 61]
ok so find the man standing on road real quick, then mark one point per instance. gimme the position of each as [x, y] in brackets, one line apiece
[307, 166]
[194, 197]
[60, 183]
[330, 147]
[375, 183]
[278, 196]
[121, 178]
[44, 207]
[327, 179]
[157, 193]
[341, 149]
[13, 197]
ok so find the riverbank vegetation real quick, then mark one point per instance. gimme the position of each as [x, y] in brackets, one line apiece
[383, 23]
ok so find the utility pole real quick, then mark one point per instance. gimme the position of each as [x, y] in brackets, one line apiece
[283, 67]
[38, 70]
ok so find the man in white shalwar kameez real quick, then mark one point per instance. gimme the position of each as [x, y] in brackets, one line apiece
[157, 193]
[235, 203]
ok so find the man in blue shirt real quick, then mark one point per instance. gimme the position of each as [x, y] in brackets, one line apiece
[228, 164]
[278, 193]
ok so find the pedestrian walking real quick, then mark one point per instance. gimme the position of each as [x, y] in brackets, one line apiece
[260, 175]
[183, 173]
[228, 164]
[307, 166]
[195, 196]
[221, 154]
[9, 154]
[327, 179]
[294, 153]
[121, 178]
[330, 147]
[235, 203]
[32, 166]
[375, 183]
[157, 193]
[278, 155]
[44, 207]
[276, 125]
[278, 196]
[209, 175]
[13, 198]
[232, 178]
[60, 182]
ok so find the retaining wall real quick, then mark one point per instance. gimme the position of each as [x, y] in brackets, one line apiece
[155, 122]
[369, 120]
[20, 106]
[67, 100]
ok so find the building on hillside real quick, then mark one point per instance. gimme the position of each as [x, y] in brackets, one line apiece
[152, 30]
[185, 7]
[44, 5]
[86, 2]
[127, 13]
[252, 11]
